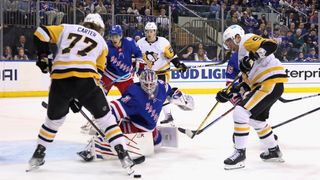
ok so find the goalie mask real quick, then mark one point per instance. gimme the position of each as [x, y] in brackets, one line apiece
[149, 82]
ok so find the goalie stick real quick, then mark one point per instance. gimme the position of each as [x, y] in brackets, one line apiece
[137, 160]
[296, 99]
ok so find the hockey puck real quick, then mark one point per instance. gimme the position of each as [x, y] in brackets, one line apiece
[137, 176]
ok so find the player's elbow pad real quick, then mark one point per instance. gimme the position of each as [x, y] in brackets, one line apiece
[269, 46]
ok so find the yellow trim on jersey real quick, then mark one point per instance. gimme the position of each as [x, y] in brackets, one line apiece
[40, 36]
[266, 88]
[273, 81]
[75, 74]
[242, 129]
[57, 63]
[46, 135]
[168, 52]
[55, 32]
[269, 70]
[113, 132]
[264, 131]
[254, 43]
[102, 59]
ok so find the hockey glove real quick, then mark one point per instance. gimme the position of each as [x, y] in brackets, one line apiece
[182, 67]
[75, 105]
[44, 63]
[240, 88]
[223, 96]
[246, 64]
[259, 54]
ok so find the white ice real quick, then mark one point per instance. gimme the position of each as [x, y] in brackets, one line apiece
[198, 158]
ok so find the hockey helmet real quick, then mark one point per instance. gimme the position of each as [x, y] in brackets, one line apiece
[94, 18]
[116, 30]
[231, 32]
[149, 82]
[150, 26]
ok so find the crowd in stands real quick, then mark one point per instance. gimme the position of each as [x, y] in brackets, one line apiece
[295, 28]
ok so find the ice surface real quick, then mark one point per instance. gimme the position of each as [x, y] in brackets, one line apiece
[198, 158]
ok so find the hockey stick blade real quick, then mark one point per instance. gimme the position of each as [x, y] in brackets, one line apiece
[188, 132]
[139, 160]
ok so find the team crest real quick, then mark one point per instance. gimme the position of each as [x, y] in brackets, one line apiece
[151, 57]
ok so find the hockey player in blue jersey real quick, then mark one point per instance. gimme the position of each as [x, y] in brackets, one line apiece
[119, 60]
[140, 105]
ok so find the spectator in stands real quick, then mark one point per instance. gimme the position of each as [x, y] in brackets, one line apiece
[312, 56]
[138, 32]
[89, 6]
[234, 20]
[232, 11]
[52, 12]
[249, 22]
[303, 29]
[133, 9]
[201, 56]
[300, 58]
[163, 22]
[22, 44]
[298, 40]
[292, 27]
[21, 55]
[144, 8]
[214, 9]
[11, 5]
[80, 13]
[314, 17]
[7, 53]
[100, 8]
[189, 54]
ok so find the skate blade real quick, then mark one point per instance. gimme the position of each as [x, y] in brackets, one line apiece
[129, 170]
[239, 165]
[32, 168]
[277, 160]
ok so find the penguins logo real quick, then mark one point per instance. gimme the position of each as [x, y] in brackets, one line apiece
[151, 57]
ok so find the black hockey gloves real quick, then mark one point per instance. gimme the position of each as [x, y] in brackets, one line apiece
[223, 96]
[75, 105]
[44, 63]
[246, 64]
[182, 67]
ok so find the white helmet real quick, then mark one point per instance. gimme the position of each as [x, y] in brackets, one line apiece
[150, 26]
[94, 18]
[231, 32]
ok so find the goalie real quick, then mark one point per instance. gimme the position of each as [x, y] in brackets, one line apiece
[139, 107]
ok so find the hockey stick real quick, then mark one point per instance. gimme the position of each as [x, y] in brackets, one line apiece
[137, 160]
[296, 99]
[193, 67]
[117, 80]
[295, 118]
[206, 118]
[190, 133]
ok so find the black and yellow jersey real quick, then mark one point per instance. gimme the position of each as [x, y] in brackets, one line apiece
[268, 68]
[81, 51]
[158, 54]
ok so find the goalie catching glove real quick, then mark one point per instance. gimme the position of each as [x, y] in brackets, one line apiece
[183, 101]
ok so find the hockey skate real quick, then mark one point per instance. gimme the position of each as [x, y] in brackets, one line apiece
[167, 120]
[272, 155]
[236, 160]
[37, 158]
[126, 162]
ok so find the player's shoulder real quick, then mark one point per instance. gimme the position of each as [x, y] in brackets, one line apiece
[163, 40]
[142, 41]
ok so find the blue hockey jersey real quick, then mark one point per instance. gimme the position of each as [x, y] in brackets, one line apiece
[119, 60]
[136, 105]
[232, 67]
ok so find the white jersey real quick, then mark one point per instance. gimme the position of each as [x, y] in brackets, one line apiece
[158, 54]
[81, 51]
[267, 68]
